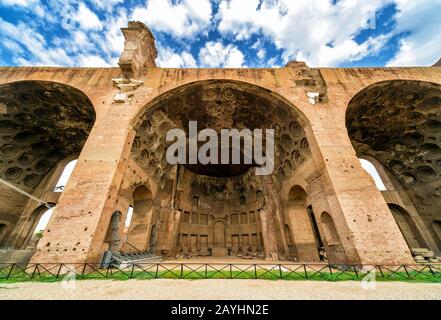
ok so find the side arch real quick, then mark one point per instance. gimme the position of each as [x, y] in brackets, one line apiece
[398, 123]
[41, 124]
[28, 230]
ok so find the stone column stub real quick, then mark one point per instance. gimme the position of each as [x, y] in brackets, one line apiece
[139, 55]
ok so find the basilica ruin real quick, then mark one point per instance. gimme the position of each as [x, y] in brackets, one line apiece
[318, 205]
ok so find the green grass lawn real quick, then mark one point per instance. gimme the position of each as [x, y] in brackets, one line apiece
[410, 276]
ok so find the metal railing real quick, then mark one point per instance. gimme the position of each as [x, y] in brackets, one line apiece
[127, 243]
[58, 271]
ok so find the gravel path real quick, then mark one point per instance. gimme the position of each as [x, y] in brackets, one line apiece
[216, 289]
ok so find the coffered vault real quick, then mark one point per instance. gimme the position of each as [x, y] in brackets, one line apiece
[218, 105]
[42, 123]
[319, 203]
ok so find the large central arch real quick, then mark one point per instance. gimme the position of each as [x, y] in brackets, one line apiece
[229, 195]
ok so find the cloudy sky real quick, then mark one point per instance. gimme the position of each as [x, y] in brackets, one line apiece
[224, 33]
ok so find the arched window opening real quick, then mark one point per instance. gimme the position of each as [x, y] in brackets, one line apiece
[65, 176]
[195, 204]
[142, 193]
[43, 222]
[36, 227]
[142, 205]
[129, 217]
[297, 195]
[370, 168]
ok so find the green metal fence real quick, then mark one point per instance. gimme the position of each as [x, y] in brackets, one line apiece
[59, 271]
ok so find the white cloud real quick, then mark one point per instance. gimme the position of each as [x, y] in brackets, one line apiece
[77, 42]
[20, 3]
[272, 63]
[106, 5]
[28, 5]
[167, 58]
[89, 41]
[92, 61]
[372, 171]
[258, 44]
[183, 19]
[87, 19]
[319, 32]
[12, 46]
[112, 40]
[422, 47]
[244, 18]
[35, 44]
[188, 59]
[261, 53]
[215, 54]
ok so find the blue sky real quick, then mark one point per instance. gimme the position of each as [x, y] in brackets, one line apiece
[224, 33]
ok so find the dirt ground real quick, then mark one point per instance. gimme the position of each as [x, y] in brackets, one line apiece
[216, 289]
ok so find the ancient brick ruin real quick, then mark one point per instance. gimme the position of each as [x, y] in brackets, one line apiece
[319, 204]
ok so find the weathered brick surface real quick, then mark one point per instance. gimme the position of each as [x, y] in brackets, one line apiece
[353, 219]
